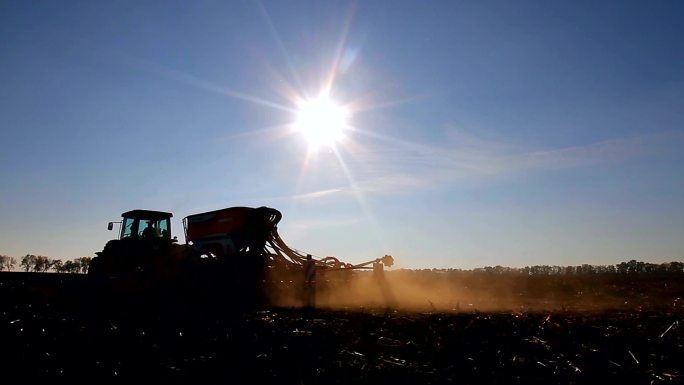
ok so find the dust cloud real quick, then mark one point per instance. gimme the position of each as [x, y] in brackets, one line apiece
[405, 290]
[402, 290]
[421, 291]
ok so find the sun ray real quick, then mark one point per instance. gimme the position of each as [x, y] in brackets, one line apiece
[203, 84]
[389, 139]
[280, 84]
[337, 57]
[361, 105]
[271, 132]
[281, 45]
[300, 178]
[206, 85]
[360, 198]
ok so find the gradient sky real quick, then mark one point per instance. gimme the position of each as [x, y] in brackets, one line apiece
[484, 133]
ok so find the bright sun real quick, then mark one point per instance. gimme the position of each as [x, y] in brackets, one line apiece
[321, 121]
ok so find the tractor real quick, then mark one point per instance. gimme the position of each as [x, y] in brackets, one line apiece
[144, 247]
[235, 248]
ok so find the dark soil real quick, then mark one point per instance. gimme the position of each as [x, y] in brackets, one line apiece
[48, 339]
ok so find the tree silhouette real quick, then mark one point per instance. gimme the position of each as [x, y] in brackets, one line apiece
[36, 263]
[28, 262]
[82, 263]
[42, 264]
[7, 263]
[57, 265]
[70, 267]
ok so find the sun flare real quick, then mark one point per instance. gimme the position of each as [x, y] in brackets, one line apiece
[321, 121]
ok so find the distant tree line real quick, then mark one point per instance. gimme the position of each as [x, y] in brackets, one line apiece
[40, 263]
[632, 267]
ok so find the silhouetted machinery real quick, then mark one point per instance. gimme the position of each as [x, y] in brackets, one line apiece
[239, 245]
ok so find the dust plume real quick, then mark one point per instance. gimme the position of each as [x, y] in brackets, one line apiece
[420, 291]
[402, 290]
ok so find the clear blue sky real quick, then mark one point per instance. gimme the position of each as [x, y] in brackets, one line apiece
[484, 132]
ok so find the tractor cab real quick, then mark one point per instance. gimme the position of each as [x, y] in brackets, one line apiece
[144, 224]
